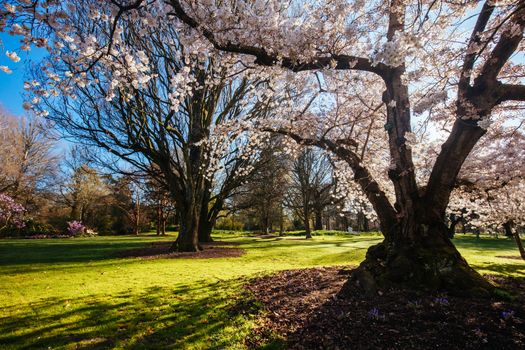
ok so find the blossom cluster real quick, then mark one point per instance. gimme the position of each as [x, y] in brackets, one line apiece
[75, 228]
[11, 212]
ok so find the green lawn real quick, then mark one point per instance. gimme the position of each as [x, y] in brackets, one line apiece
[78, 293]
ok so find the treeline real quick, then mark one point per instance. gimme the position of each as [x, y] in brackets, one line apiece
[57, 185]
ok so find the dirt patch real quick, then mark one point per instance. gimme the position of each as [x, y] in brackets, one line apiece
[310, 310]
[160, 250]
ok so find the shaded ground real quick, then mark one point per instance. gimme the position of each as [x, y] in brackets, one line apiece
[311, 310]
[160, 250]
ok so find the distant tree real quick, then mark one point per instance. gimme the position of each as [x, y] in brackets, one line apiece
[161, 120]
[159, 199]
[262, 195]
[27, 165]
[310, 184]
[83, 189]
[128, 195]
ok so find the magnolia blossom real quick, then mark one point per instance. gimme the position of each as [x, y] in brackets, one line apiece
[11, 212]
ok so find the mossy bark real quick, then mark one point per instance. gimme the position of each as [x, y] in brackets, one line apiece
[431, 263]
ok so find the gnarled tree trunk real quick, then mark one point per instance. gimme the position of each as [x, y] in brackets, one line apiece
[428, 262]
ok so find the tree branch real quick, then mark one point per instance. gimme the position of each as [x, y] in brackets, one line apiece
[511, 92]
[378, 199]
[262, 57]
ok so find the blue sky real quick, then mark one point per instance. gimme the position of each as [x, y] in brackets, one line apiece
[12, 85]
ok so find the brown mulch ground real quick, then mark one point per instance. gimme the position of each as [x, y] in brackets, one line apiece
[310, 310]
[160, 250]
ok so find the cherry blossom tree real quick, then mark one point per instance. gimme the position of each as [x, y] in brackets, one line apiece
[491, 185]
[380, 64]
[399, 42]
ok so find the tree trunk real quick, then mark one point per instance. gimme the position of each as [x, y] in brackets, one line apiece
[454, 220]
[318, 220]
[306, 217]
[308, 231]
[508, 230]
[265, 221]
[519, 244]
[281, 219]
[207, 217]
[205, 229]
[136, 225]
[188, 238]
[366, 224]
[163, 230]
[430, 262]
[159, 219]
[516, 235]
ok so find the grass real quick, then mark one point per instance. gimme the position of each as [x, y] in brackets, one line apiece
[78, 293]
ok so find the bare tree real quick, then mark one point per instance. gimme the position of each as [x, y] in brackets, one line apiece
[263, 193]
[29, 166]
[309, 187]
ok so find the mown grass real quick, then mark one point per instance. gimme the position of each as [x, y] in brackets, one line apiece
[79, 294]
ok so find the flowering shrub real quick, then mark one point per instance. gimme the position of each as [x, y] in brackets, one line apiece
[75, 228]
[507, 314]
[374, 313]
[90, 232]
[11, 213]
[441, 301]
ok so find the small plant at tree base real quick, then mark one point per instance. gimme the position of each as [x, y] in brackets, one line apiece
[441, 301]
[75, 228]
[374, 313]
[507, 315]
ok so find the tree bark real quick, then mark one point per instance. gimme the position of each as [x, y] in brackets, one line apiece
[163, 230]
[188, 238]
[318, 220]
[306, 218]
[159, 219]
[454, 220]
[205, 229]
[519, 244]
[509, 232]
[281, 219]
[307, 229]
[430, 262]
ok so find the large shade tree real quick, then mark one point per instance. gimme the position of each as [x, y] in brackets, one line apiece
[416, 250]
[403, 50]
[151, 103]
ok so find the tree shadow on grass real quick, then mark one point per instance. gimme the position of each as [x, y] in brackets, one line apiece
[509, 269]
[186, 316]
[29, 252]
